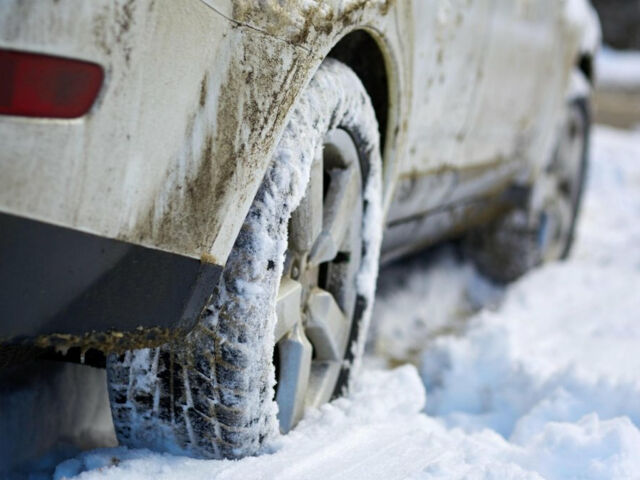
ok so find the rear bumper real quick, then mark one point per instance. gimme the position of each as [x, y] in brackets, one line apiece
[63, 288]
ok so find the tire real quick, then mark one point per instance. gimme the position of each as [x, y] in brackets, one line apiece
[211, 395]
[543, 229]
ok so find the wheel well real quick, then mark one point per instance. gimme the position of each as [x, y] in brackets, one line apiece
[585, 64]
[362, 53]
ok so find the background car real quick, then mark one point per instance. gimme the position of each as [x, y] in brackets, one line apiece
[197, 194]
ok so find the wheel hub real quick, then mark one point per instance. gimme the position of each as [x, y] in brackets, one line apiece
[317, 293]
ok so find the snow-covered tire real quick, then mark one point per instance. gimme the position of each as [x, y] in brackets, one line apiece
[211, 394]
[540, 231]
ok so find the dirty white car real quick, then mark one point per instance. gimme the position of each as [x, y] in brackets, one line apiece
[196, 194]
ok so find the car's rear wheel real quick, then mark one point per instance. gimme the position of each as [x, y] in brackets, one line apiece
[542, 230]
[288, 319]
[317, 294]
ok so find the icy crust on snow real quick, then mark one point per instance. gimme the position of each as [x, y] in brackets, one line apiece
[242, 315]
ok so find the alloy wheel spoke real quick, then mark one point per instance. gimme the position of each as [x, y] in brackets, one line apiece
[295, 365]
[563, 211]
[556, 227]
[322, 382]
[327, 327]
[306, 220]
[288, 307]
[568, 158]
[341, 199]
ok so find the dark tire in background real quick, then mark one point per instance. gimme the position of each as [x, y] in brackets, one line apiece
[522, 239]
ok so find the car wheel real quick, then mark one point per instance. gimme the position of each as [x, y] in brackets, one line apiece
[287, 322]
[530, 235]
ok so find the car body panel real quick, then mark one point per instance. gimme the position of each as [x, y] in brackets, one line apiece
[149, 164]
[184, 127]
[197, 92]
[511, 77]
[449, 48]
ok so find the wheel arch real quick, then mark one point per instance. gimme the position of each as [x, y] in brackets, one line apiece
[371, 56]
[361, 52]
[585, 64]
[380, 68]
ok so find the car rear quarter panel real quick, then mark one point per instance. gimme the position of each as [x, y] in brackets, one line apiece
[195, 97]
[175, 144]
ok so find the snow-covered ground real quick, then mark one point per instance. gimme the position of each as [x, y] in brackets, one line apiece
[542, 382]
[618, 70]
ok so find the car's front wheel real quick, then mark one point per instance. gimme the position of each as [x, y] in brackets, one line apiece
[289, 316]
[541, 230]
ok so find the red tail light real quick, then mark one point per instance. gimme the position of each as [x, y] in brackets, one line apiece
[33, 85]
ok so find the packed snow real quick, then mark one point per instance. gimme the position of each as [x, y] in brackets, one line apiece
[541, 382]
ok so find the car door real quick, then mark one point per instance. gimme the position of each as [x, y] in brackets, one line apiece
[518, 86]
[449, 44]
